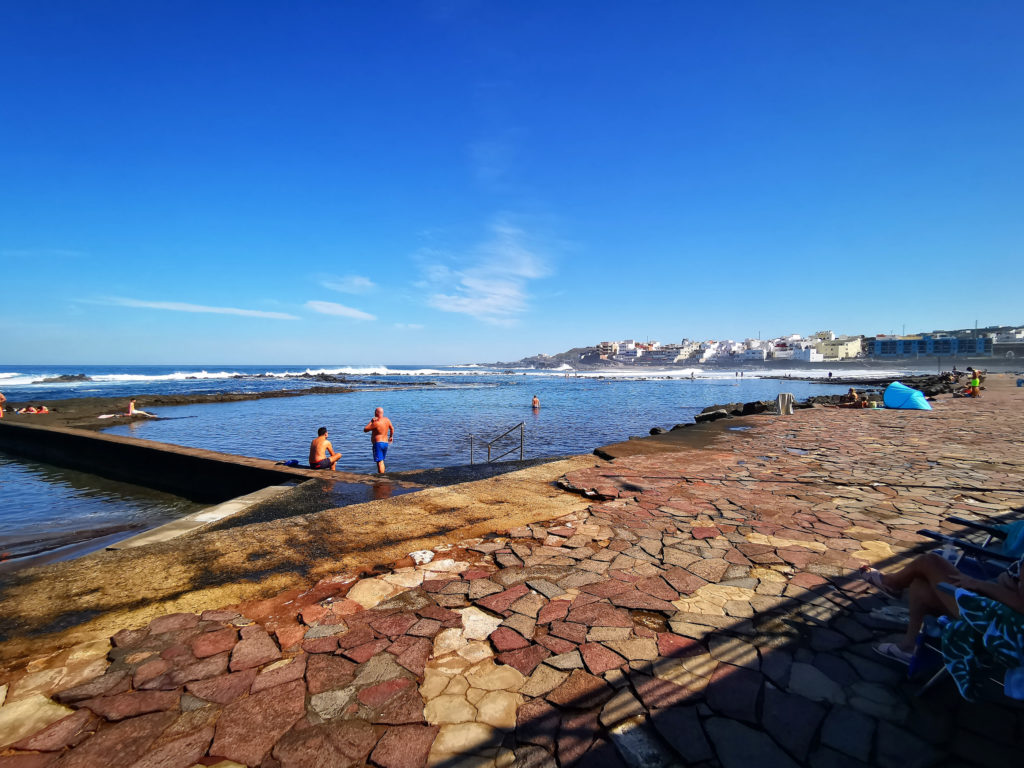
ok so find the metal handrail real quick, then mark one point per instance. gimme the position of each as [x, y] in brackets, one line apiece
[521, 426]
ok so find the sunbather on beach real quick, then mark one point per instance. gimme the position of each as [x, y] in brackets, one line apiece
[921, 578]
[851, 399]
[133, 411]
[321, 452]
[33, 409]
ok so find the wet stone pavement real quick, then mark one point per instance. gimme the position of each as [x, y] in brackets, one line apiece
[704, 611]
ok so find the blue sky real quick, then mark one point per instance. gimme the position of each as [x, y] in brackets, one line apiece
[403, 182]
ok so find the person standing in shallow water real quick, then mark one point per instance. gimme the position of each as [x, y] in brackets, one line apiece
[382, 434]
[536, 402]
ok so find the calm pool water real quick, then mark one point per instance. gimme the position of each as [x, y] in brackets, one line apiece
[433, 424]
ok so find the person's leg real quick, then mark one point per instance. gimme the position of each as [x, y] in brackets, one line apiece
[929, 567]
[923, 600]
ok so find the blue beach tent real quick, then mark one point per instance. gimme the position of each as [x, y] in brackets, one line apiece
[901, 396]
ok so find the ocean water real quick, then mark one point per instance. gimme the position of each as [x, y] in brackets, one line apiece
[51, 513]
[437, 411]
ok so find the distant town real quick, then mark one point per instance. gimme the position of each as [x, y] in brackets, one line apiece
[1002, 342]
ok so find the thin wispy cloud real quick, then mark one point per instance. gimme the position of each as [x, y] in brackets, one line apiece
[339, 310]
[349, 284]
[179, 306]
[409, 326]
[493, 286]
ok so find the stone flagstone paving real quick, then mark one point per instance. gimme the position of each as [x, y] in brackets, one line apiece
[702, 612]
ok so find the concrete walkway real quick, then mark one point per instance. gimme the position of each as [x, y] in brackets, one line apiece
[702, 611]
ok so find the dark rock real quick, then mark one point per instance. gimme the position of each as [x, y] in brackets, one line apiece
[657, 430]
[681, 728]
[741, 747]
[791, 720]
[121, 744]
[848, 731]
[702, 418]
[66, 732]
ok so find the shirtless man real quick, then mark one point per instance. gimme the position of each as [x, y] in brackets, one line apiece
[536, 402]
[321, 452]
[382, 433]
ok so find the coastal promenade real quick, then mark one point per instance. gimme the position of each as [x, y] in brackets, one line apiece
[694, 607]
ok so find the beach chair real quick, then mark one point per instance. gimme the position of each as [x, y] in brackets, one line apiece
[984, 645]
[999, 545]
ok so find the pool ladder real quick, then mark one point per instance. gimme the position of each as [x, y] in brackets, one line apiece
[521, 426]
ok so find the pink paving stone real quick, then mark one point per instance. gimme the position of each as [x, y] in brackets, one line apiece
[375, 696]
[641, 601]
[345, 607]
[553, 611]
[365, 652]
[537, 723]
[177, 653]
[248, 728]
[655, 692]
[321, 644]
[66, 732]
[172, 622]
[436, 585]
[132, 703]
[402, 709]
[500, 601]
[712, 569]
[807, 580]
[355, 637]
[674, 646]
[438, 613]
[212, 643]
[312, 614]
[556, 644]
[199, 670]
[576, 633]
[183, 750]
[404, 746]
[475, 573]
[336, 744]
[704, 533]
[290, 635]
[581, 690]
[584, 599]
[283, 674]
[402, 644]
[605, 588]
[425, 628]
[29, 760]
[505, 639]
[254, 649]
[600, 615]
[394, 625]
[657, 587]
[327, 673]
[223, 689]
[119, 745]
[525, 659]
[129, 638]
[218, 615]
[599, 659]
[736, 557]
[576, 734]
[149, 670]
[414, 658]
[105, 685]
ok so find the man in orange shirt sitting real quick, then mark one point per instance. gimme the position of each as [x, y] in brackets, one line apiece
[382, 433]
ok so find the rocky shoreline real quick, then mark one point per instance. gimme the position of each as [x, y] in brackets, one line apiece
[84, 412]
[873, 387]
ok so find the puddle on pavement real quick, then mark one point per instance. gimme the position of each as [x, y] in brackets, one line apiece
[798, 451]
[652, 621]
[739, 429]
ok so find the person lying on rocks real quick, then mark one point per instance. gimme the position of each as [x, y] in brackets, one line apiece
[852, 399]
[921, 577]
